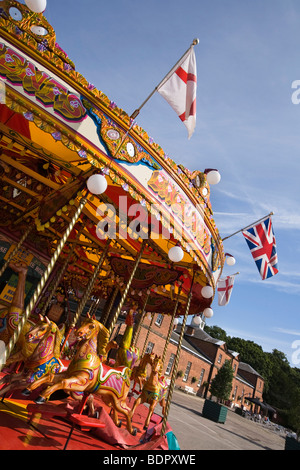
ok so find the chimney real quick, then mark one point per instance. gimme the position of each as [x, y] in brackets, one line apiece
[190, 330]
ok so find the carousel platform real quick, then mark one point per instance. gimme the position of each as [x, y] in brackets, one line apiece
[56, 425]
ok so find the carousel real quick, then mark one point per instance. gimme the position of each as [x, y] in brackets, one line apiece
[98, 227]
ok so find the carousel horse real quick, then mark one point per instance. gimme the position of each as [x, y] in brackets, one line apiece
[127, 355]
[44, 360]
[139, 372]
[88, 374]
[153, 391]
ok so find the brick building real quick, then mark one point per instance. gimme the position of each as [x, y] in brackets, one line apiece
[200, 359]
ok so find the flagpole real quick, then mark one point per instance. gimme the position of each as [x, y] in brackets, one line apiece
[137, 111]
[248, 226]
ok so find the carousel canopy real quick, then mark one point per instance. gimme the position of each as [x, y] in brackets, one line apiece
[56, 131]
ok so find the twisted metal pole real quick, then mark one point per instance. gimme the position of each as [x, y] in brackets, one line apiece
[170, 328]
[177, 357]
[139, 325]
[148, 333]
[118, 311]
[15, 250]
[90, 285]
[86, 294]
[13, 340]
[93, 307]
[64, 266]
[111, 303]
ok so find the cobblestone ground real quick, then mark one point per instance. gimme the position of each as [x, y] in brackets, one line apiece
[194, 432]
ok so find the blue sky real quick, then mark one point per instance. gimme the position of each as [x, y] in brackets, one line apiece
[247, 125]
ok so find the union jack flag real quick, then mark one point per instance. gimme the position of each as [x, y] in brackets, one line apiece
[261, 241]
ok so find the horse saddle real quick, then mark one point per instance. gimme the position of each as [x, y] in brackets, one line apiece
[113, 379]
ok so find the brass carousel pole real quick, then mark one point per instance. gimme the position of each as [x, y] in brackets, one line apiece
[87, 293]
[112, 301]
[64, 266]
[15, 250]
[171, 327]
[13, 340]
[93, 307]
[139, 325]
[177, 357]
[118, 311]
[148, 333]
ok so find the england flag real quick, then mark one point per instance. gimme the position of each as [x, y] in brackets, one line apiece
[225, 287]
[179, 90]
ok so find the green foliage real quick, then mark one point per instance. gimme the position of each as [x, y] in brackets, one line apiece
[282, 382]
[221, 384]
[216, 332]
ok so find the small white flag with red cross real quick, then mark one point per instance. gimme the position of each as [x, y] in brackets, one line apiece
[225, 287]
[179, 90]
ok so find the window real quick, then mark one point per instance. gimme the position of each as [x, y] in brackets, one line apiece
[159, 319]
[169, 366]
[187, 371]
[149, 348]
[219, 358]
[201, 378]
[234, 392]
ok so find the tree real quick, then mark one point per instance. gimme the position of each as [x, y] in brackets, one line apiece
[216, 332]
[221, 384]
[282, 382]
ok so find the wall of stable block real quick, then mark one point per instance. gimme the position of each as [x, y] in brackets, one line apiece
[199, 367]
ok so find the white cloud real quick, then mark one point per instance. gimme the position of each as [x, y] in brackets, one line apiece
[286, 332]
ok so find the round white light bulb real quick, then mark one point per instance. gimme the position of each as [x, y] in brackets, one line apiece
[37, 6]
[175, 322]
[208, 312]
[213, 177]
[97, 184]
[196, 320]
[176, 254]
[230, 260]
[207, 292]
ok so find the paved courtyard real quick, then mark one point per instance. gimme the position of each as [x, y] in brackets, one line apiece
[194, 432]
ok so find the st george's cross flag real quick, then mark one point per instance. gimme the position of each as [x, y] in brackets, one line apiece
[261, 241]
[179, 90]
[225, 287]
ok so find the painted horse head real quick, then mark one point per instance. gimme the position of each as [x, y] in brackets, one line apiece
[157, 364]
[91, 328]
[42, 331]
[88, 329]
